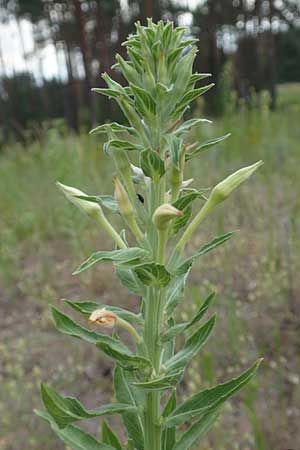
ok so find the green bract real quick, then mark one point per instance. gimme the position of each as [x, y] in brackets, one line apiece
[156, 205]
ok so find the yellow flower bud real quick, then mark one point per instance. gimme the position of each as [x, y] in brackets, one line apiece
[163, 214]
[73, 195]
[122, 198]
[103, 317]
[222, 190]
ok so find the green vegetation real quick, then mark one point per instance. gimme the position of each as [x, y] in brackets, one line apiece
[256, 276]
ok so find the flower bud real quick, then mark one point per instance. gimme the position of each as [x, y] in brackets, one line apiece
[122, 198]
[163, 214]
[225, 187]
[73, 194]
[103, 317]
[137, 171]
[186, 183]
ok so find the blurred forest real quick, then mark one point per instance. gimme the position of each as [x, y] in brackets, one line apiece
[247, 45]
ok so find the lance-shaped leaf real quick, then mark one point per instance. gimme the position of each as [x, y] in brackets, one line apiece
[152, 164]
[175, 289]
[183, 203]
[191, 347]
[169, 434]
[109, 437]
[112, 93]
[122, 145]
[197, 77]
[211, 245]
[126, 393]
[210, 399]
[144, 101]
[68, 326]
[66, 410]
[176, 149]
[187, 199]
[74, 437]
[205, 146]
[108, 201]
[87, 307]
[196, 431]
[182, 75]
[153, 274]
[180, 222]
[125, 359]
[181, 327]
[160, 383]
[113, 127]
[125, 257]
[188, 125]
[189, 97]
[129, 279]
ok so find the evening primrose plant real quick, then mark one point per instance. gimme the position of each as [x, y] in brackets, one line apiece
[155, 202]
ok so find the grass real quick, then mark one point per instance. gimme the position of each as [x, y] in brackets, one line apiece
[256, 275]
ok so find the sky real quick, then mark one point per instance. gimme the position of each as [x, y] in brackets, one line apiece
[12, 51]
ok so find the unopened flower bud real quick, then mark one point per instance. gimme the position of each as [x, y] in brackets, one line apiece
[225, 187]
[122, 198]
[137, 171]
[186, 183]
[73, 194]
[163, 214]
[103, 317]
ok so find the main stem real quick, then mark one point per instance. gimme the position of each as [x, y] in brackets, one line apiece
[153, 323]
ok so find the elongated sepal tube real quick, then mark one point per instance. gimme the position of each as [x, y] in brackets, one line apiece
[92, 209]
[219, 193]
[227, 186]
[126, 208]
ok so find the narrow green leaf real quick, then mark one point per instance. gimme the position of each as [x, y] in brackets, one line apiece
[188, 124]
[210, 399]
[87, 307]
[112, 93]
[180, 222]
[129, 280]
[122, 145]
[181, 327]
[191, 347]
[144, 101]
[211, 245]
[127, 256]
[191, 96]
[152, 164]
[113, 127]
[109, 437]
[205, 146]
[160, 383]
[169, 434]
[176, 149]
[74, 437]
[125, 359]
[196, 431]
[126, 393]
[186, 199]
[68, 326]
[66, 410]
[175, 289]
[152, 274]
